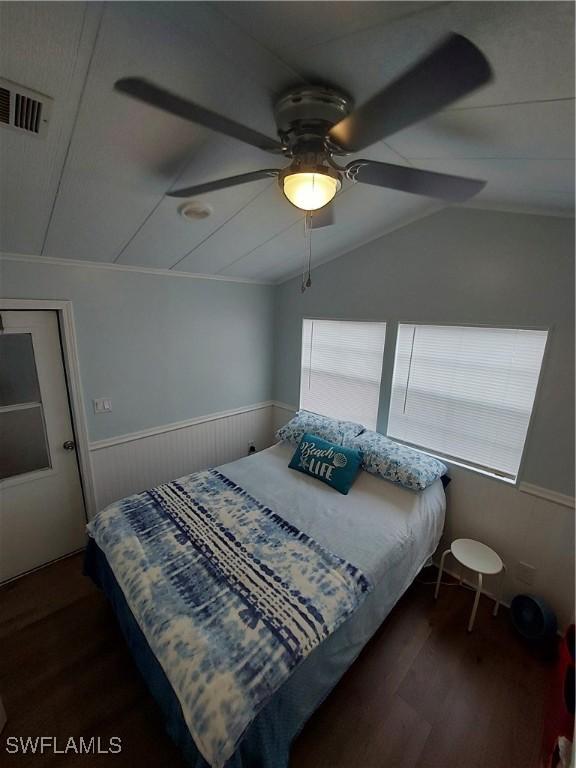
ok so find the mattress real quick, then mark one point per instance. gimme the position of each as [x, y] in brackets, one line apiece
[383, 529]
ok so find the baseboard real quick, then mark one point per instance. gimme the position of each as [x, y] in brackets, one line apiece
[40, 567]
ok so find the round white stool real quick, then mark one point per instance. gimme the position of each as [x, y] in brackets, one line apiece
[480, 558]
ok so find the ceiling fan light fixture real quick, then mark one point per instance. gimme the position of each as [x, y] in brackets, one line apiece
[310, 190]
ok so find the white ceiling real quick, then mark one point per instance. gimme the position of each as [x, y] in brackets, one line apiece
[95, 187]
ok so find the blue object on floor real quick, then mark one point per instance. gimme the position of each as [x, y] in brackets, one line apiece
[533, 618]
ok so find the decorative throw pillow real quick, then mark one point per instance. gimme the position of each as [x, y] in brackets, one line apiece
[333, 430]
[332, 463]
[396, 462]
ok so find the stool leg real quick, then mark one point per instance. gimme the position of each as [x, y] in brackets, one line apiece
[476, 601]
[439, 579]
[500, 590]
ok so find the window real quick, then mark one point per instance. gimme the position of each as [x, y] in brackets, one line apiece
[466, 393]
[342, 368]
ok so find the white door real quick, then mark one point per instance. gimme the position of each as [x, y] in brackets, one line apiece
[41, 504]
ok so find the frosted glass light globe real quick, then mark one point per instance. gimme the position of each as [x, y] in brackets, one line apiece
[310, 191]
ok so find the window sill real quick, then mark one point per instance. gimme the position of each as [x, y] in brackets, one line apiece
[513, 481]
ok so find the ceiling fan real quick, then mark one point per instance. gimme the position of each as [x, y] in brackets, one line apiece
[317, 124]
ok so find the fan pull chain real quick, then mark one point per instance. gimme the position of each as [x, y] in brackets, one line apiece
[303, 283]
[307, 273]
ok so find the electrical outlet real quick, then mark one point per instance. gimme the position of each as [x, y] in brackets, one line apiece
[525, 573]
[102, 405]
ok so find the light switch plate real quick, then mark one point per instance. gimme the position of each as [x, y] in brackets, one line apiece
[102, 405]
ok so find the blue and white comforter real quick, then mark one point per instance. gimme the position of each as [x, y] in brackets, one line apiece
[229, 595]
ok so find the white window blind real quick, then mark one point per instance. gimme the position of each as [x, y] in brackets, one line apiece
[466, 393]
[342, 368]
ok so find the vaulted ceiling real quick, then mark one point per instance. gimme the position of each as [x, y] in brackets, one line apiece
[94, 186]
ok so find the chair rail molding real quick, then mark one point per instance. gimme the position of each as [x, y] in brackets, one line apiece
[98, 445]
[132, 463]
[546, 493]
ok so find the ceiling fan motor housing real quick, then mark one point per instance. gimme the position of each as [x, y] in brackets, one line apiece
[309, 162]
[305, 114]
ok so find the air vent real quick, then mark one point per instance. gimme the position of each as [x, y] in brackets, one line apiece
[27, 113]
[4, 105]
[23, 109]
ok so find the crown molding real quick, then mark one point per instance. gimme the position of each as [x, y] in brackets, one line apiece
[51, 260]
[481, 205]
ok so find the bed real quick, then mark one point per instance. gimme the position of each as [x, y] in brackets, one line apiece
[387, 532]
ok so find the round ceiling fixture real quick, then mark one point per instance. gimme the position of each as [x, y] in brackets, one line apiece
[310, 191]
[194, 210]
[309, 185]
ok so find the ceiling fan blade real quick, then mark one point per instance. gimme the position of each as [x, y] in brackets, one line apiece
[452, 70]
[230, 181]
[452, 189]
[324, 217]
[145, 91]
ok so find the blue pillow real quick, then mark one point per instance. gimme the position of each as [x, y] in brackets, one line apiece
[333, 464]
[397, 462]
[334, 430]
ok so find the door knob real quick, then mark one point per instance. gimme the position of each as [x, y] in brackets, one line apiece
[69, 445]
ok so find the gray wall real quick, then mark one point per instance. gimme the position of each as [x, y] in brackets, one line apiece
[164, 349]
[167, 349]
[457, 266]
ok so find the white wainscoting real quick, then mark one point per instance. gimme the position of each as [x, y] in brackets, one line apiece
[523, 528]
[521, 525]
[524, 524]
[131, 463]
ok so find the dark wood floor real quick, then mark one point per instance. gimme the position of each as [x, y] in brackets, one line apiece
[424, 693]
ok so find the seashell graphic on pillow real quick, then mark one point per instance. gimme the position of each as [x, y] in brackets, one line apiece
[340, 460]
